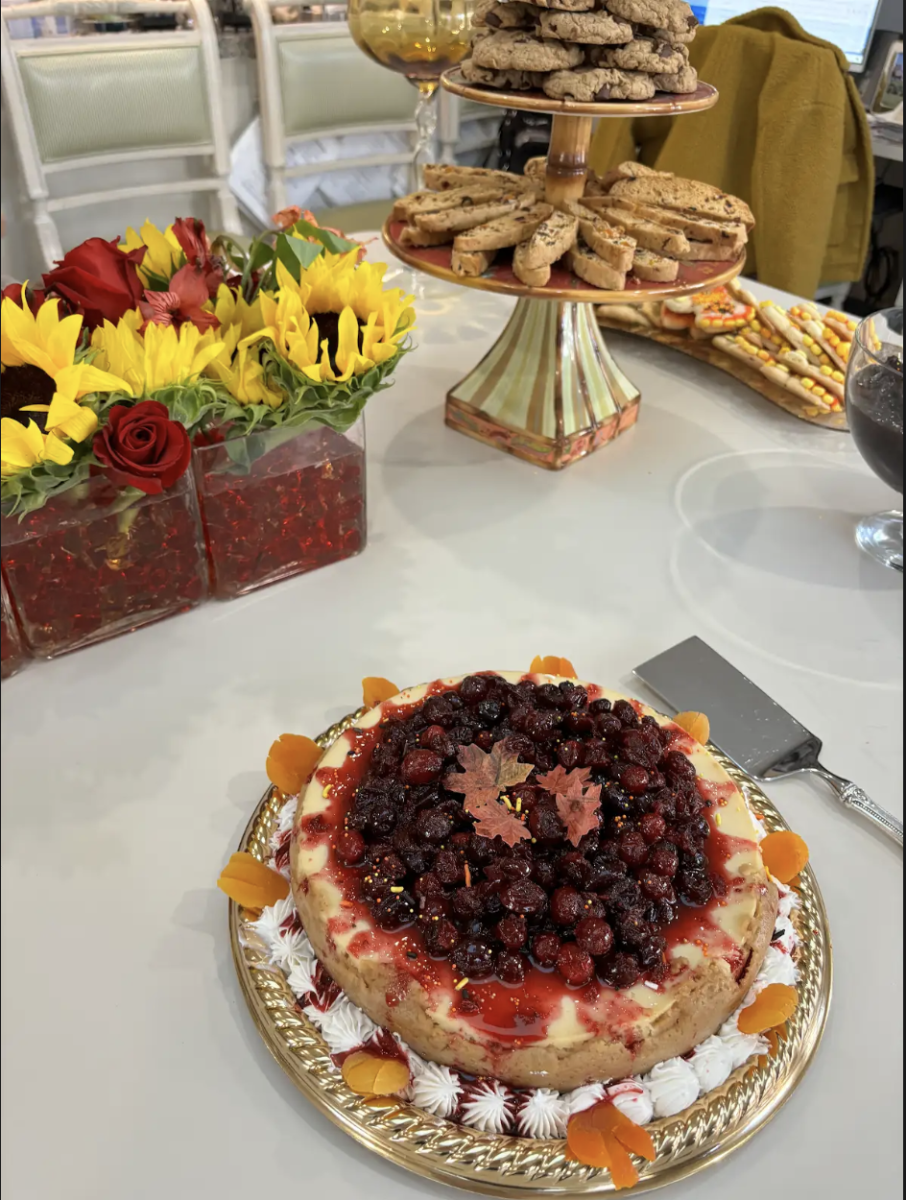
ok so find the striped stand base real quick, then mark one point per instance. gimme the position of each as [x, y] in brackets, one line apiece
[549, 390]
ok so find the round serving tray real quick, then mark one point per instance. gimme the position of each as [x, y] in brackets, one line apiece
[563, 285]
[661, 105]
[521, 1168]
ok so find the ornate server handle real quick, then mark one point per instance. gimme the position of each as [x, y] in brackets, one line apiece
[854, 797]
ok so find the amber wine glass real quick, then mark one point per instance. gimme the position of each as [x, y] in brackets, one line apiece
[419, 39]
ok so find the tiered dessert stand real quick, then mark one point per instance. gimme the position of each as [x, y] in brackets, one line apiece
[549, 390]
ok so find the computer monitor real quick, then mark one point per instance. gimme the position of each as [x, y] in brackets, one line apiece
[849, 24]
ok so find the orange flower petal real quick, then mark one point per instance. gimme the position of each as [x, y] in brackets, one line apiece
[291, 762]
[372, 1075]
[552, 664]
[585, 1139]
[632, 1136]
[622, 1168]
[772, 1007]
[376, 690]
[784, 854]
[250, 883]
[696, 724]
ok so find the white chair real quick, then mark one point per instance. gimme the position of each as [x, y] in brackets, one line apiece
[314, 83]
[78, 103]
[453, 114]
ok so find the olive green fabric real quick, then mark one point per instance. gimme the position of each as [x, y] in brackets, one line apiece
[109, 102]
[328, 82]
[789, 135]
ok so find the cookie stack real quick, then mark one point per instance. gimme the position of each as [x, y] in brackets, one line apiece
[633, 222]
[587, 50]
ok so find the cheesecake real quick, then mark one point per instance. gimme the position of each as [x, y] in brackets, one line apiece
[531, 878]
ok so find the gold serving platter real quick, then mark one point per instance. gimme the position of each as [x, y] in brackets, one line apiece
[520, 1168]
[661, 105]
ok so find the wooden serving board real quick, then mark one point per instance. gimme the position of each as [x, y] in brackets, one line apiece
[704, 351]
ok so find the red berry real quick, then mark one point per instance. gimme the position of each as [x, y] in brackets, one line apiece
[634, 779]
[350, 847]
[653, 827]
[664, 859]
[545, 948]
[633, 848]
[421, 766]
[512, 932]
[594, 935]
[566, 906]
[523, 896]
[510, 967]
[569, 754]
[575, 964]
[435, 738]
[442, 937]
[655, 886]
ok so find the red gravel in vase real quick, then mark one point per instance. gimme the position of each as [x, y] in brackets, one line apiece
[80, 571]
[12, 652]
[297, 506]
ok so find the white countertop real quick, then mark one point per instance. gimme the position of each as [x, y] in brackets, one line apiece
[131, 1068]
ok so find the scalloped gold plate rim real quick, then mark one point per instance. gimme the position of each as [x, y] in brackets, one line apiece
[663, 105]
[519, 1168]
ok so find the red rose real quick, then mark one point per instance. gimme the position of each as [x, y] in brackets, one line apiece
[99, 280]
[141, 447]
[14, 291]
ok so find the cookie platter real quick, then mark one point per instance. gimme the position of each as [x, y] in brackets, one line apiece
[495, 1164]
[662, 104]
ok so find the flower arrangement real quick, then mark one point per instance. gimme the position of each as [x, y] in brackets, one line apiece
[136, 356]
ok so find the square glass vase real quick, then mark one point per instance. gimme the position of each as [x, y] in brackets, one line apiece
[12, 652]
[85, 567]
[279, 502]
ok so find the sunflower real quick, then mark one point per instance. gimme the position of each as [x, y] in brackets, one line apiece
[330, 324]
[40, 374]
[241, 373]
[161, 357]
[230, 309]
[163, 253]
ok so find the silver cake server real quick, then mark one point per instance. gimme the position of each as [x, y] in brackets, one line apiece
[747, 725]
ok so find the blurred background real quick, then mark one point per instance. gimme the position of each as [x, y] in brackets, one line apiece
[111, 110]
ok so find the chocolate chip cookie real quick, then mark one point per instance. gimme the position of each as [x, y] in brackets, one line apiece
[644, 54]
[598, 83]
[675, 15]
[667, 35]
[516, 50]
[680, 83]
[505, 81]
[593, 29]
[566, 5]
[490, 14]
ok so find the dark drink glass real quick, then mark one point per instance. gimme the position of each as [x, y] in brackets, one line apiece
[874, 408]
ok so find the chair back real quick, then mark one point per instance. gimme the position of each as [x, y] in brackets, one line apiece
[105, 99]
[313, 83]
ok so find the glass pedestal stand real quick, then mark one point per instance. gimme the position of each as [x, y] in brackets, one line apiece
[549, 390]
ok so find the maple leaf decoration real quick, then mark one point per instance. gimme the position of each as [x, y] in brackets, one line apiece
[485, 777]
[494, 820]
[578, 802]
